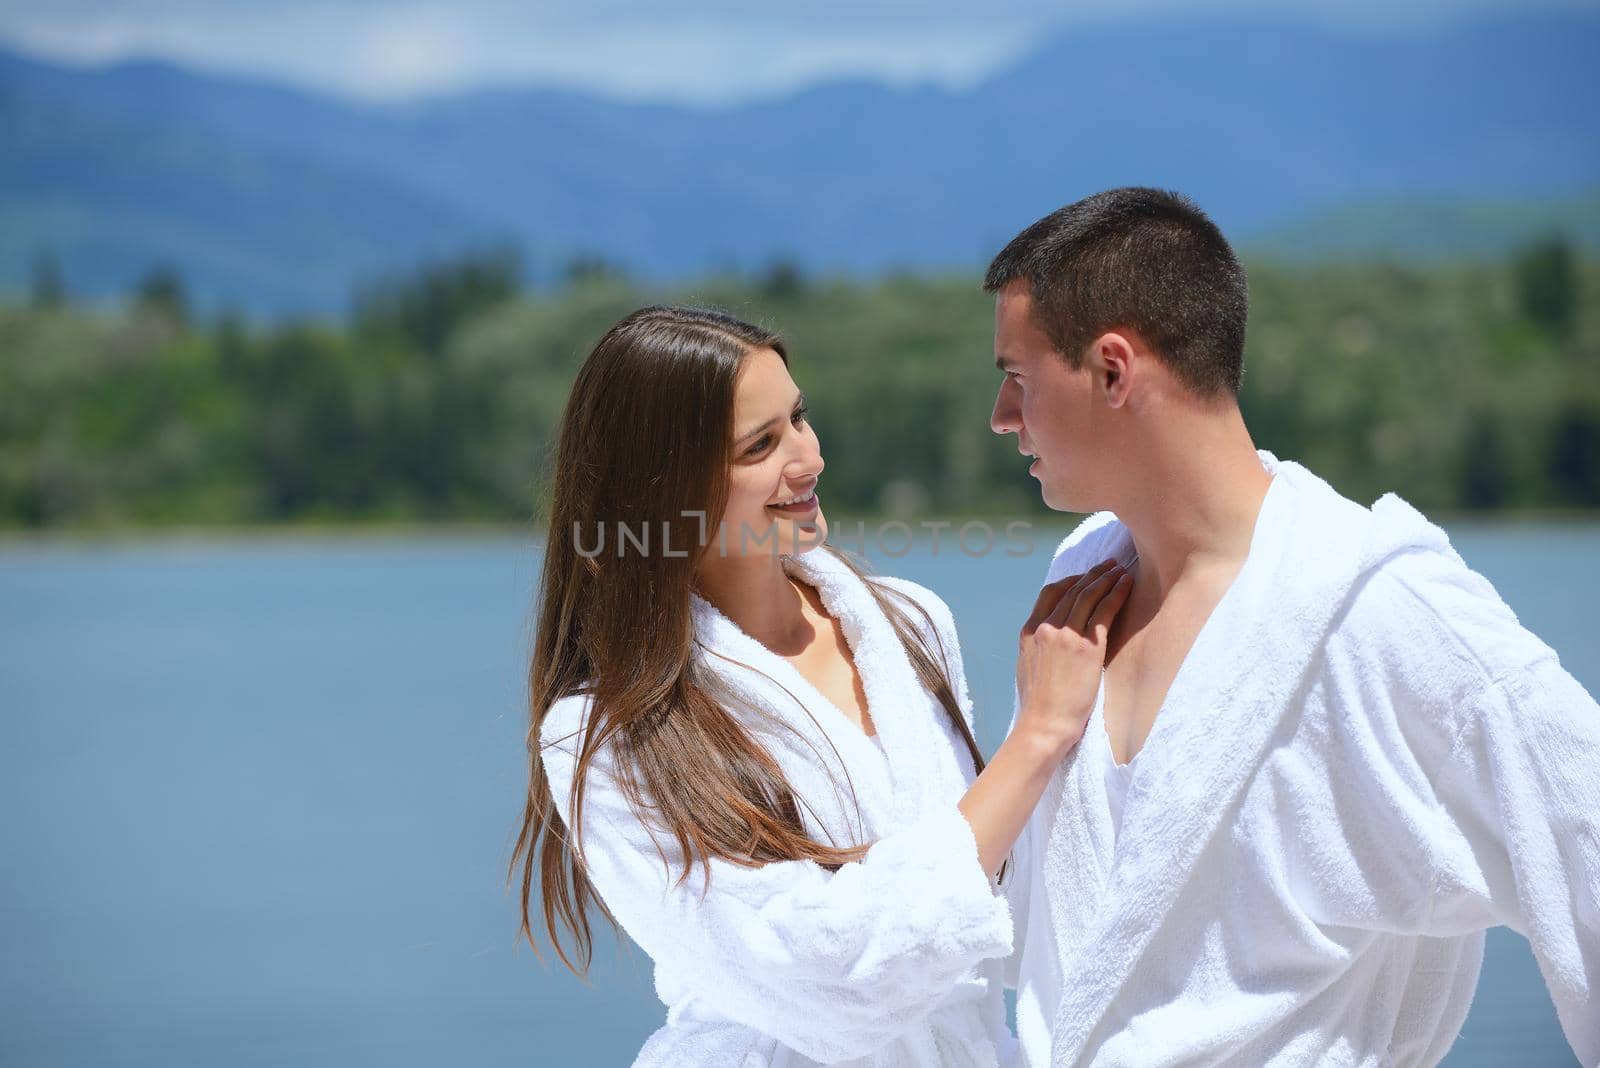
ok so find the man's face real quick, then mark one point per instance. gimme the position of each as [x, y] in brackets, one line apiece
[1048, 405]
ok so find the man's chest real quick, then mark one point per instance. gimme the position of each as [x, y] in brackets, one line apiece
[1145, 662]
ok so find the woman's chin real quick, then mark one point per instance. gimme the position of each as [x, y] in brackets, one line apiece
[795, 536]
[778, 536]
[808, 533]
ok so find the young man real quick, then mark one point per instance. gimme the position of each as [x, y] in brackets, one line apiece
[1325, 756]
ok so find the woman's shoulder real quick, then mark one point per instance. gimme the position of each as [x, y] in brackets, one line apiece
[929, 601]
[832, 568]
[931, 604]
[564, 721]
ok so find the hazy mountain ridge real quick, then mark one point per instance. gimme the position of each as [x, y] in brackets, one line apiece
[1418, 230]
[276, 199]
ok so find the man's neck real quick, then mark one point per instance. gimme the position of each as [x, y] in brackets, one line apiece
[1195, 505]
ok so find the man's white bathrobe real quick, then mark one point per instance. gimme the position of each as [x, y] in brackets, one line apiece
[1363, 763]
[895, 960]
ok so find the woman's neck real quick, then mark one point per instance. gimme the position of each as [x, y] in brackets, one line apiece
[756, 594]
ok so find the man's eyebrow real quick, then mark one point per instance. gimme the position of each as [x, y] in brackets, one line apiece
[799, 402]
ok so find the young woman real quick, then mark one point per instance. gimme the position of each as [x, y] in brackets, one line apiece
[754, 758]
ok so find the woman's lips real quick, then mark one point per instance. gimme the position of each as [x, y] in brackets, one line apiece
[798, 508]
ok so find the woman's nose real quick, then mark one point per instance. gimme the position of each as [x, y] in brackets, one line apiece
[807, 461]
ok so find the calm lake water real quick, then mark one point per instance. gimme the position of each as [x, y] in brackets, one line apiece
[260, 795]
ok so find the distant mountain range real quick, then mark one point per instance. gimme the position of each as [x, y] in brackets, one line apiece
[1302, 140]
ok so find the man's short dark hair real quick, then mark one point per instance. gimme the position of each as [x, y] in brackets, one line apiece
[1141, 259]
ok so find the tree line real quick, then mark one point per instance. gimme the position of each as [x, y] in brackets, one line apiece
[1471, 387]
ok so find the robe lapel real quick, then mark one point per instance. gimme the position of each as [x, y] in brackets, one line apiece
[836, 768]
[1082, 842]
[921, 757]
[1239, 684]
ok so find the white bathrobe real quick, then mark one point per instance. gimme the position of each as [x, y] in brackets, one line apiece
[895, 960]
[1363, 762]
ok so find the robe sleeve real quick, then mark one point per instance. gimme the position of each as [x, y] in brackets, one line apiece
[1521, 788]
[1016, 880]
[1017, 885]
[831, 964]
[1515, 772]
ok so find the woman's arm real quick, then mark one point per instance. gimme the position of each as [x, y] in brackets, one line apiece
[833, 964]
[1060, 655]
[836, 963]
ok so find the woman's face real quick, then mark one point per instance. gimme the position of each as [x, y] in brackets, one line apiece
[772, 479]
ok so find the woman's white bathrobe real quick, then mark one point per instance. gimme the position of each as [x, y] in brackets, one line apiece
[1363, 762]
[895, 960]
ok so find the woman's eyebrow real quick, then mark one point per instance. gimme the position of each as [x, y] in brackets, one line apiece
[799, 402]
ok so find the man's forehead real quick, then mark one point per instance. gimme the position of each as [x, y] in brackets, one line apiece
[1014, 301]
[1016, 290]
[1013, 310]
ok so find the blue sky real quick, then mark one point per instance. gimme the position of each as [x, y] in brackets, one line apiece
[706, 51]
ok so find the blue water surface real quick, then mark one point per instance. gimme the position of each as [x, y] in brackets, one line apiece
[260, 794]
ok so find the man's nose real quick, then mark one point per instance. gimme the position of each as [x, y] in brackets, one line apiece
[1007, 415]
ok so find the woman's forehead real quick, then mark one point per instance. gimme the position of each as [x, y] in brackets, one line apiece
[763, 384]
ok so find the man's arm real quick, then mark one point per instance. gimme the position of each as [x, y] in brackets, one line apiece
[1522, 785]
[1510, 743]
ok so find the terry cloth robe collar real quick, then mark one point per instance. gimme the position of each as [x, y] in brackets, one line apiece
[813, 740]
[1234, 692]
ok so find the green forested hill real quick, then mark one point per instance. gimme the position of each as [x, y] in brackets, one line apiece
[1462, 387]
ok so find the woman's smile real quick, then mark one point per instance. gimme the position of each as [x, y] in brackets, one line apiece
[801, 506]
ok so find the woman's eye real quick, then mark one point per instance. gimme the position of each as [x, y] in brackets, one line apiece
[761, 443]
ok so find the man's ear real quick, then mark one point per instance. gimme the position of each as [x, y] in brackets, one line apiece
[1112, 361]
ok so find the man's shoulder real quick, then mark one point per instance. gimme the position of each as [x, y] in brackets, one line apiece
[1090, 542]
[1425, 611]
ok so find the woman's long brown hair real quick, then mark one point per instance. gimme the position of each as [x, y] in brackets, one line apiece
[645, 439]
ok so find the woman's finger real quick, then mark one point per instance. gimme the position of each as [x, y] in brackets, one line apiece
[1062, 590]
[1076, 614]
[1045, 603]
[1099, 624]
[1073, 592]
[1088, 600]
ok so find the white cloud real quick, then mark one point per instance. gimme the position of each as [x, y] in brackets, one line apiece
[699, 50]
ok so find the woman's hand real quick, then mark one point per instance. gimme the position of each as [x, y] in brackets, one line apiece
[1061, 652]
[1059, 657]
